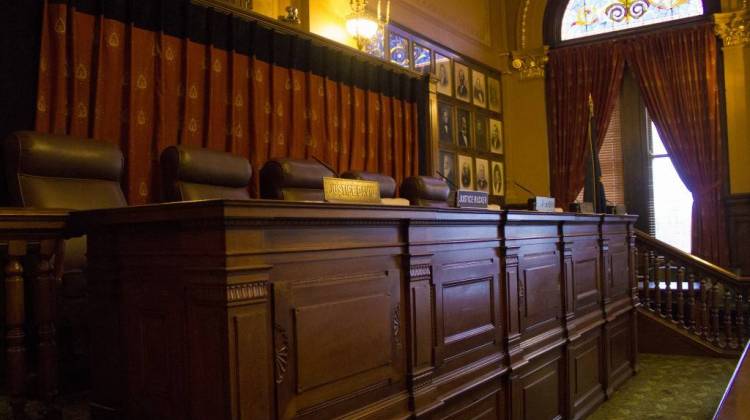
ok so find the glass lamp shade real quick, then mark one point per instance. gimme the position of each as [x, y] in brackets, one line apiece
[360, 26]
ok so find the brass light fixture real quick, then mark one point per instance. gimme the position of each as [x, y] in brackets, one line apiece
[362, 25]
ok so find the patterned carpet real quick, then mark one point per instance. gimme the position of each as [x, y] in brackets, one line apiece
[670, 388]
[667, 388]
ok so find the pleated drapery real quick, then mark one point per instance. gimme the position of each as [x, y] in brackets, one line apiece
[677, 75]
[148, 74]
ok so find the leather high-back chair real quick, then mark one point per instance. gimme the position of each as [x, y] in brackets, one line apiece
[64, 172]
[293, 180]
[201, 174]
[425, 191]
[387, 184]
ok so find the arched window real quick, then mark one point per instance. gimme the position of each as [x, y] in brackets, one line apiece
[583, 18]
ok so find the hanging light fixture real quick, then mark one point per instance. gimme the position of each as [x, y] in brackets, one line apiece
[362, 25]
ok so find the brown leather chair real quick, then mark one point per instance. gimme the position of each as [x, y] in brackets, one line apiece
[387, 184]
[201, 174]
[293, 180]
[425, 191]
[63, 172]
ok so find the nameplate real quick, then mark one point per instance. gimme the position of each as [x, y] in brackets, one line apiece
[542, 204]
[340, 190]
[472, 199]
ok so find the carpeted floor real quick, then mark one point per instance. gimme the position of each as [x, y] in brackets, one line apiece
[670, 388]
[667, 388]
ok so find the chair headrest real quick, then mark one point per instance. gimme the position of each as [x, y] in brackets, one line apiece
[59, 156]
[203, 166]
[425, 191]
[387, 184]
[279, 174]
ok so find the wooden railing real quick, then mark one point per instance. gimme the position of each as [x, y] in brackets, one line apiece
[701, 298]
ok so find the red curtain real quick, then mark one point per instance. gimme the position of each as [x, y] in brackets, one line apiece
[573, 74]
[146, 75]
[677, 75]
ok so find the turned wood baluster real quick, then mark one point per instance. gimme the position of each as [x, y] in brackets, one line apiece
[730, 339]
[657, 282]
[44, 308]
[668, 281]
[15, 351]
[645, 267]
[740, 314]
[681, 296]
[705, 294]
[691, 299]
[716, 299]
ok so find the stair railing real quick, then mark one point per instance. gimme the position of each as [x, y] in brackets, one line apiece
[693, 294]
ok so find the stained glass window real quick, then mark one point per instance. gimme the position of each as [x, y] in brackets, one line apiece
[399, 47]
[584, 18]
[422, 59]
[376, 47]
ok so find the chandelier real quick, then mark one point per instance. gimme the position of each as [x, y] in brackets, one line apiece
[362, 25]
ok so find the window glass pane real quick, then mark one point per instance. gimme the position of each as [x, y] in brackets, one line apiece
[673, 205]
[657, 146]
[376, 46]
[399, 48]
[422, 59]
[584, 18]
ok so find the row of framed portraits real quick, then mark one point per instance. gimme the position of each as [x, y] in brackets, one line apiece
[469, 130]
[473, 173]
[467, 85]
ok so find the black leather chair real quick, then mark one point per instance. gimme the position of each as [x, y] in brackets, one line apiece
[64, 172]
[293, 180]
[202, 174]
[425, 191]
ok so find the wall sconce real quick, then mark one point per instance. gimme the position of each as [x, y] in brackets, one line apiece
[362, 25]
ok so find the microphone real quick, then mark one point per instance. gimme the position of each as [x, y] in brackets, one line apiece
[454, 186]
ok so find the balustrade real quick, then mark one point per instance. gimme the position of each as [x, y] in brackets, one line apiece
[692, 294]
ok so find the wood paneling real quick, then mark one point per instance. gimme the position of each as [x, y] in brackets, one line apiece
[261, 309]
[738, 216]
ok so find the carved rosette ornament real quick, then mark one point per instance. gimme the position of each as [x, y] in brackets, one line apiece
[733, 28]
[529, 64]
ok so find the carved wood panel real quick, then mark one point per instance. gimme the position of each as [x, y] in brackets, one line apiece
[339, 335]
[536, 390]
[539, 288]
[585, 373]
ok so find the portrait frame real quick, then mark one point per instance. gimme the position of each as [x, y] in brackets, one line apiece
[446, 136]
[462, 81]
[463, 128]
[465, 172]
[498, 178]
[444, 74]
[496, 136]
[481, 129]
[494, 98]
[478, 89]
[447, 167]
[482, 169]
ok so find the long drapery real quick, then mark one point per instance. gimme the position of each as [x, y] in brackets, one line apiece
[148, 74]
[677, 74]
[574, 74]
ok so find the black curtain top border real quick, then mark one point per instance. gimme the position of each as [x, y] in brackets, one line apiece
[206, 26]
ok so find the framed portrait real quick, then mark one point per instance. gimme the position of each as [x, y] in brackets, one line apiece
[483, 175]
[445, 122]
[493, 95]
[447, 167]
[444, 73]
[422, 59]
[496, 136]
[480, 132]
[463, 128]
[462, 81]
[479, 89]
[498, 179]
[465, 172]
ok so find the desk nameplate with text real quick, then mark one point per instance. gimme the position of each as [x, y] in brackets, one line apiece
[340, 190]
[472, 199]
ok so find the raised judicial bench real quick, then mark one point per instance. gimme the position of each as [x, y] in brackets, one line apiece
[266, 309]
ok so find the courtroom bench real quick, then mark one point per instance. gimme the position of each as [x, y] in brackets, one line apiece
[267, 309]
